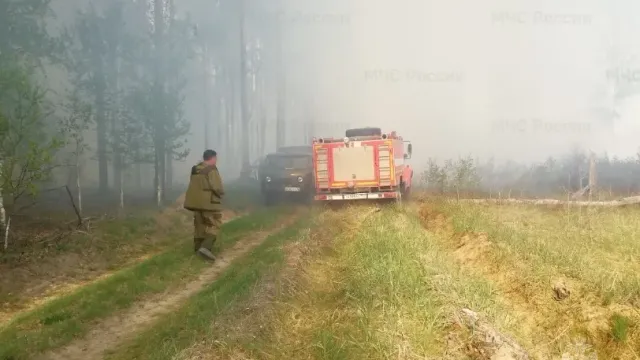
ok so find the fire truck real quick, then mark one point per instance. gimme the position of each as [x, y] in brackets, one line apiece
[365, 164]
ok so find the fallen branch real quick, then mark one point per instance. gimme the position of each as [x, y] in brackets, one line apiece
[622, 202]
[75, 208]
[55, 238]
[506, 347]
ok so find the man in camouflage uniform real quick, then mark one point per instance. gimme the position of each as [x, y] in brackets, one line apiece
[203, 198]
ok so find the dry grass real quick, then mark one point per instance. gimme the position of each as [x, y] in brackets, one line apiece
[529, 253]
[364, 284]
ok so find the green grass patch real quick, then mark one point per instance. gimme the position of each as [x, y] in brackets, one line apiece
[620, 327]
[192, 322]
[384, 289]
[60, 321]
[400, 291]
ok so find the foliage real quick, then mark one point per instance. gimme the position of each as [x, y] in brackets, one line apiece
[27, 152]
[23, 29]
[111, 58]
[554, 176]
[459, 175]
[76, 123]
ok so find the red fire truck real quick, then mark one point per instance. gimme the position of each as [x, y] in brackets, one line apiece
[365, 164]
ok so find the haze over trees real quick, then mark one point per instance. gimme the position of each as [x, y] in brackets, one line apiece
[109, 98]
[127, 68]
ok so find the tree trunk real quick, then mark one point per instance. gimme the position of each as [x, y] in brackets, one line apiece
[169, 172]
[3, 212]
[138, 175]
[116, 126]
[262, 136]
[159, 133]
[281, 92]
[244, 106]
[592, 176]
[101, 128]
[231, 106]
[207, 108]
[78, 184]
[121, 187]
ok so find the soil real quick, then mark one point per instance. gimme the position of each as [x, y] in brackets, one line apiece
[45, 277]
[121, 327]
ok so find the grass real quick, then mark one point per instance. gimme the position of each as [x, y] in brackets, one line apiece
[598, 247]
[620, 327]
[594, 252]
[192, 322]
[49, 268]
[113, 233]
[379, 288]
[61, 320]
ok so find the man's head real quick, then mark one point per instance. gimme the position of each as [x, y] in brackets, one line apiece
[210, 157]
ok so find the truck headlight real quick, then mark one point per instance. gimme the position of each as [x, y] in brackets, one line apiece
[267, 179]
[300, 179]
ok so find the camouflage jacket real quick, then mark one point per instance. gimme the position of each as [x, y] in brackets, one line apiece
[205, 189]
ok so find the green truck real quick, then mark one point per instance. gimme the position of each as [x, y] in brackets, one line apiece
[287, 176]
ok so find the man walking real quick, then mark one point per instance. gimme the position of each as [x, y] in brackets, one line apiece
[203, 198]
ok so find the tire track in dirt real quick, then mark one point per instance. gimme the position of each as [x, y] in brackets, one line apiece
[109, 333]
[573, 327]
[44, 291]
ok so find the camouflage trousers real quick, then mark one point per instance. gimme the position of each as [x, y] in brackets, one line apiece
[206, 226]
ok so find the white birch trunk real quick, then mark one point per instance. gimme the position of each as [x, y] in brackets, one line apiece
[78, 184]
[119, 130]
[3, 213]
[121, 180]
[6, 234]
[159, 195]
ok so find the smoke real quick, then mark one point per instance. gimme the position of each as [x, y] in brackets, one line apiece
[512, 80]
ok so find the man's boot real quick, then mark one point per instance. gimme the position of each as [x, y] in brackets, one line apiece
[197, 243]
[206, 247]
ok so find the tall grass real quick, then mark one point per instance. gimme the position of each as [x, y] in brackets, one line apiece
[385, 289]
[598, 247]
[60, 321]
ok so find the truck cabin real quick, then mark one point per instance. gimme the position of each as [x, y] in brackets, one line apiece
[288, 172]
[288, 161]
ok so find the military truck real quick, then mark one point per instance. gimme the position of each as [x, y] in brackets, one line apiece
[287, 176]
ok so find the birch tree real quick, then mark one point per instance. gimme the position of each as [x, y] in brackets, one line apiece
[75, 125]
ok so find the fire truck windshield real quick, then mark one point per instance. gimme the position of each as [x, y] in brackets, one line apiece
[289, 161]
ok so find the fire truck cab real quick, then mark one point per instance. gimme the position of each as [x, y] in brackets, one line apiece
[365, 164]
